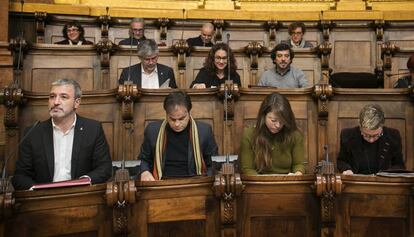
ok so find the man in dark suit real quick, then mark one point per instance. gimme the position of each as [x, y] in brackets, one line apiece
[149, 74]
[64, 147]
[371, 147]
[205, 38]
[177, 146]
[136, 32]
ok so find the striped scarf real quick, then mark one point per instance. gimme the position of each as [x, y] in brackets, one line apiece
[161, 144]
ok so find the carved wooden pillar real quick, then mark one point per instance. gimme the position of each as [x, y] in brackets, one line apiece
[163, 24]
[228, 186]
[218, 26]
[323, 92]
[121, 194]
[254, 50]
[181, 50]
[12, 98]
[105, 48]
[326, 27]
[272, 27]
[128, 94]
[379, 32]
[388, 49]
[229, 94]
[328, 185]
[40, 18]
[104, 21]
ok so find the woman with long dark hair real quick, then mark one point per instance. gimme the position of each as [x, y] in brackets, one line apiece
[215, 70]
[275, 145]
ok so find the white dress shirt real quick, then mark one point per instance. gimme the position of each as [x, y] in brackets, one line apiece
[149, 80]
[62, 147]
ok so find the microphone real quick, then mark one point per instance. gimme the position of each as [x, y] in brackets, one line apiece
[228, 57]
[182, 26]
[13, 152]
[19, 57]
[130, 54]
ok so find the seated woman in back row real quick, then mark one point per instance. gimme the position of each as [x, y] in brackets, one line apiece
[215, 70]
[275, 145]
[74, 34]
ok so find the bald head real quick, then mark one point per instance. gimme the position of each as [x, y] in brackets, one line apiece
[207, 31]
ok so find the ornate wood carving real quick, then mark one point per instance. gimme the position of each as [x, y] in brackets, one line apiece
[388, 49]
[229, 93]
[128, 93]
[163, 24]
[254, 50]
[228, 186]
[272, 27]
[181, 49]
[12, 98]
[324, 52]
[104, 21]
[326, 27]
[6, 198]
[18, 46]
[328, 185]
[323, 92]
[121, 194]
[105, 48]
[218, 26]
[379, 29]
[40, 18]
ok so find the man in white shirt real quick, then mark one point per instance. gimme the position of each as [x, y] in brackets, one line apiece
[149, 74]
[64, 147]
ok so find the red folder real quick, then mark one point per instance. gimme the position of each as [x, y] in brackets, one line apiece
[68, 183]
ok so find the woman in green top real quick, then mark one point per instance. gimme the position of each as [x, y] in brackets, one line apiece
[275, 145]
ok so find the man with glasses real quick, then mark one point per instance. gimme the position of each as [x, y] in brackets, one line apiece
[297, 31]
[371, 147]
[149, 74]
[283, 75]
[136, 32]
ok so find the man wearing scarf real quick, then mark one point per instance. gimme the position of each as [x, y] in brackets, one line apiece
[177, 146]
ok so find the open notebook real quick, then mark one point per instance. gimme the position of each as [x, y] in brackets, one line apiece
[68, 183]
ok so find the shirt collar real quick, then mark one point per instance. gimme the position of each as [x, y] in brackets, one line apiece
[72, 126]
[143, 71]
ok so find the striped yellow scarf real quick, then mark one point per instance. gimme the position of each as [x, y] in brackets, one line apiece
[160, 148]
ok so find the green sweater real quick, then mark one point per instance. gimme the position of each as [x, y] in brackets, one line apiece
[285, 157]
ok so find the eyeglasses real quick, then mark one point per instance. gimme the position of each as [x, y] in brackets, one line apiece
[137, 30]
[374, 136]
[218, 59]
[296, 33]
[151, 59]
[72, 30]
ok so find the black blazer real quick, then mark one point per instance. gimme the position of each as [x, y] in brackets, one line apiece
[164, 73]
[208, 147]
[389, 150]
[90, 154]
[66, 41]
[197, 41]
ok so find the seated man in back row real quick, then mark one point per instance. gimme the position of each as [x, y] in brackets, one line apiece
[205, 38]
[371, 147]
[283, 75]
[149, 74]
[64, 147]
[136, 32]
[177, 146]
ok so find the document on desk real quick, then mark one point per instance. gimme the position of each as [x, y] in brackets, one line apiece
[397, 175]
[68, 183]
[165, 85]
